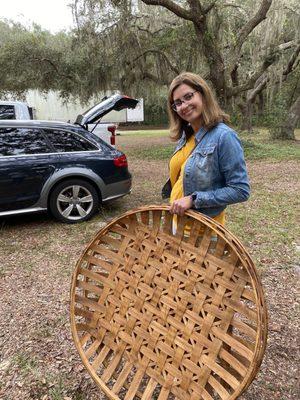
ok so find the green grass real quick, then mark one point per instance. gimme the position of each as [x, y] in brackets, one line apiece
[154, 152]
[275, 151]
[266, 224]
[149, 133]
[278, 151]
[26, 364]
[58, 391]
[256, 147]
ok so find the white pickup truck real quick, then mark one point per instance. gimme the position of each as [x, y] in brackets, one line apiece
[89, 120]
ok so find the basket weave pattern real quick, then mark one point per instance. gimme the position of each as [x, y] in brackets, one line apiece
[162, 316]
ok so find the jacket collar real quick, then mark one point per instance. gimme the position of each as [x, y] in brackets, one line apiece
[198, 137]
[200, 134]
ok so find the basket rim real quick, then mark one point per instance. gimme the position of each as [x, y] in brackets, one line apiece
[244, 257]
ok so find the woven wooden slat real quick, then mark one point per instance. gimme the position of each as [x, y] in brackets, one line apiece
[162, 316]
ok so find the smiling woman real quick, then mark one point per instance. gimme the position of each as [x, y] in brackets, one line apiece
[53, 16]
[207, 170]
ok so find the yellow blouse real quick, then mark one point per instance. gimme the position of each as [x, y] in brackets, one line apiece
[177, 164]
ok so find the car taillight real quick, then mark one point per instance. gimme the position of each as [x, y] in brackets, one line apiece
[121, 161]
[112, 130]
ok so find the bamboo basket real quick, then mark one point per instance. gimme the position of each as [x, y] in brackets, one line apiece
[156, 315]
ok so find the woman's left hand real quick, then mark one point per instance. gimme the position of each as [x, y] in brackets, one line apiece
[181, 205]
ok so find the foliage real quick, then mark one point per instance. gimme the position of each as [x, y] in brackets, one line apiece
[137, 47]
[237, 46]
[155, 111]
[28, 59]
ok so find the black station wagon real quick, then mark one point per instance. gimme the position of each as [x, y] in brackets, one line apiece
[58, 167]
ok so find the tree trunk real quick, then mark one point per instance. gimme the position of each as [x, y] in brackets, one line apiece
[287, 129]
[261, 104]
[214, 59]
[247, 111]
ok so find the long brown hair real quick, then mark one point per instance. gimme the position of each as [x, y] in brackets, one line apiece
[212, 113]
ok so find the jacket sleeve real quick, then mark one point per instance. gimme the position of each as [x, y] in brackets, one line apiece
[233, 169]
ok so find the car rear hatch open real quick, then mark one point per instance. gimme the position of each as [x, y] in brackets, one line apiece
[116, 102]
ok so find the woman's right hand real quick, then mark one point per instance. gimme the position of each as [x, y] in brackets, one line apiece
[181, 205]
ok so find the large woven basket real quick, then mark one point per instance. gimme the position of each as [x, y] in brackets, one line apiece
[162, 316]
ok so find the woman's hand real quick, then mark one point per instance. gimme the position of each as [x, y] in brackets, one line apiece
[181, 205]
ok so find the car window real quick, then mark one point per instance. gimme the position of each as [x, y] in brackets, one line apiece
[64, 141]
[18, 141]
[7, 112]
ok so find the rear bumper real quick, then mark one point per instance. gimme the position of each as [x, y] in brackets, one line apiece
[118, 189]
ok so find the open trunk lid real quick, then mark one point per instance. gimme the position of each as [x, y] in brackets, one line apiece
[116, 102]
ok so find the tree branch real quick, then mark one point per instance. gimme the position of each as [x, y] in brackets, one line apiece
[162, 54]
[294, 11]
[263, 80]
[209, 7]
[154, 78]
[260, 85]
[54, 66]
[251, 24]
[286, 45]
[232, 5]
[195, 6]
[233, 91]
[292, 61]
[171, 6]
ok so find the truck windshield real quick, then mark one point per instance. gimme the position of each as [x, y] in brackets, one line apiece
[7, 112]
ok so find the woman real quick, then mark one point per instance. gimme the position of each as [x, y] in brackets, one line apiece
[207, 170]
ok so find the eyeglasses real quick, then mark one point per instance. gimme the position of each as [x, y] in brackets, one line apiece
[187, 97]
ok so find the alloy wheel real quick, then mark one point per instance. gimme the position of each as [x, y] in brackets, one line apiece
[75, 202]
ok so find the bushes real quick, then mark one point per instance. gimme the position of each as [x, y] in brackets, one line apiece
[155, 113]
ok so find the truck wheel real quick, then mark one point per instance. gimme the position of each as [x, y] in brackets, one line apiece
[74, 200]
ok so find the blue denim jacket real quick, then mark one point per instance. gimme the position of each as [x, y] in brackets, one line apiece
[215, 172]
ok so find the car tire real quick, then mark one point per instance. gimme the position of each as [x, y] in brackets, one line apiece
[73, 201]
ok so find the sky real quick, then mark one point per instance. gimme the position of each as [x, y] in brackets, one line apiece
[53, 15]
